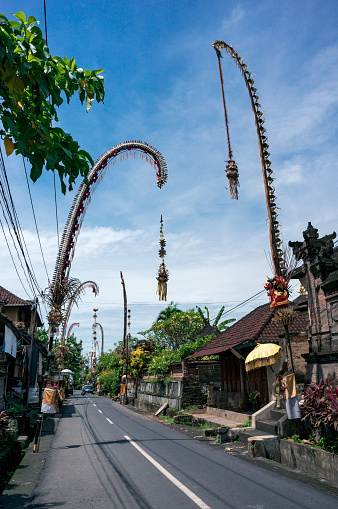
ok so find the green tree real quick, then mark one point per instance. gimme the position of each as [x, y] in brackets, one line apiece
[160, 361]
[140, 357]
[42, 335]
[32, 84]
[74, 362]
[109, 371]
[180, 328]
[167, 312]
[206, 318]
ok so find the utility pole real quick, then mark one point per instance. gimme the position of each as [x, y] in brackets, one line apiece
[127, 356]
[32, 330]
[125, 346]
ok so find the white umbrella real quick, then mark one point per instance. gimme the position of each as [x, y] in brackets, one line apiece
[67, 372]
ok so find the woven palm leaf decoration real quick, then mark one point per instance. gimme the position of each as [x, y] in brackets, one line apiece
[268, 178]
[162, 273]
[231, 168]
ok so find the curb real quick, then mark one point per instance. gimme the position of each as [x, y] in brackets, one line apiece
[19, 491]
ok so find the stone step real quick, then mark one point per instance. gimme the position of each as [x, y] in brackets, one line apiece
[277, 414]
[268, 426]
[246, 433]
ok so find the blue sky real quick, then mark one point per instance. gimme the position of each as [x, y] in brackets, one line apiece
[162, 87]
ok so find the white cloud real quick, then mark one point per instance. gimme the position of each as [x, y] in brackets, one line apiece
[237, 14]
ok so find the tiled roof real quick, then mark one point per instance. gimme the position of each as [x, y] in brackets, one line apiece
[208, 330]
[256, 326]
[10, 299]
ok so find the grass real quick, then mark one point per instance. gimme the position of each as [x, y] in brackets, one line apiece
[324, 443]
[167, 419]
[246, 424]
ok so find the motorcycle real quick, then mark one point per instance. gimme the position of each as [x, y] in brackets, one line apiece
[83, 392]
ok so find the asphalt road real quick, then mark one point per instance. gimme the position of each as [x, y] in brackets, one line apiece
[107, 456]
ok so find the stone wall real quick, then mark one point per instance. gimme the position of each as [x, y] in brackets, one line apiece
[300, 346]
[209, 375]
[312, 461]
[319, 276]
[193, 394]
[237, 401]
[178, 393]
[158, 393]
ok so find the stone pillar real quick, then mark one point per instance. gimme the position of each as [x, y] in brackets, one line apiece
[319, 275]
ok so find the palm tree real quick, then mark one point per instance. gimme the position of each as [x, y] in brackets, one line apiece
[206, 318]
[168, 312]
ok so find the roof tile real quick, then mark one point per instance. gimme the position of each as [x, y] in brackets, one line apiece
[256, 326]
[10, 299]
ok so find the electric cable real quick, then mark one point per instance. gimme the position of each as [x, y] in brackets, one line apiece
[16, 249]
[36, 226]
[10, 252]
[19, 237]
[8, 205]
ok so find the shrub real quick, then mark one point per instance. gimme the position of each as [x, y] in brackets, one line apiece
[110, 382]
[320, 405]
[160, 362]
[7, 431]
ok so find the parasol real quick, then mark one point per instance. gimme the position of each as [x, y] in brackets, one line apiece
[67, 372]
[263, 354]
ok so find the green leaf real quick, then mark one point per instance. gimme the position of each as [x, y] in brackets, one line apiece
[66, 151]
[31, 19]
[36, 171]
[21, 16]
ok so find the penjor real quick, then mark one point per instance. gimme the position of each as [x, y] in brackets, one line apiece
[162, 273]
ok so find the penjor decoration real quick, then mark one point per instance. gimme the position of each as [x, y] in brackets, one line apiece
[231, 168]
[162, 273]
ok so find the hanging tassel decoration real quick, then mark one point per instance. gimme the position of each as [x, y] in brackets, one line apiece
[232, 175]
[231, 169]
[162, 273]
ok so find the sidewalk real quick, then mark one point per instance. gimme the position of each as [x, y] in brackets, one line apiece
[20, 488]
[216, 421]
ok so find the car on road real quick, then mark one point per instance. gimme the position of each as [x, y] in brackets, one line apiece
[89, 388]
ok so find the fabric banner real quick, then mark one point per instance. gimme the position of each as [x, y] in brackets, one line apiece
[290, 386]
[10, 342]
[50, 402]
[292, 408]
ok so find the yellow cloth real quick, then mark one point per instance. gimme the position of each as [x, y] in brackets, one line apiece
[290, 386]
[50, 396]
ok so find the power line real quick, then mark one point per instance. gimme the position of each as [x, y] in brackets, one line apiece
[36, 226]
[16, 249]
[11, 217]
[9, 249]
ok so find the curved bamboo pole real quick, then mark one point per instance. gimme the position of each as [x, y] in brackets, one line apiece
[76, 294]
[71, 328]
[102, 336]
[270, 198]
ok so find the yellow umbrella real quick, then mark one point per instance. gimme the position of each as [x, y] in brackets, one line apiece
[264, 354]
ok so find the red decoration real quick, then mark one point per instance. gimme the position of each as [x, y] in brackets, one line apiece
[278, 292]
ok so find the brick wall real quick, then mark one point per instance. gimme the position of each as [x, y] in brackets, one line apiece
[300, 346]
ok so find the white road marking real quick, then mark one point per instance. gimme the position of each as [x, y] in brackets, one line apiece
[110, 422]
[171, 478]
[99, 411]
[94, 404]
